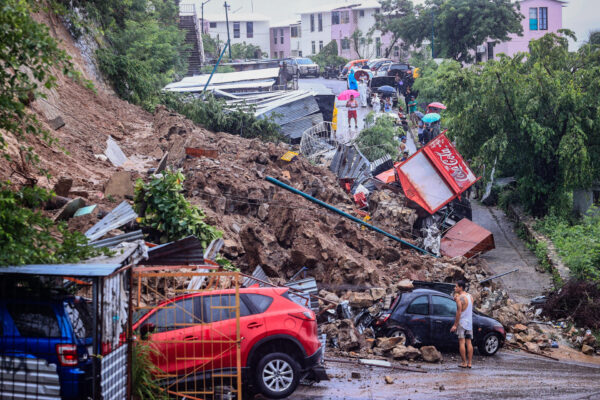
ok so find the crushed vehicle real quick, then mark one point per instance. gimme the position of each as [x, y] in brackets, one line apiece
[425, 316]
[279, 345]
[55, 330]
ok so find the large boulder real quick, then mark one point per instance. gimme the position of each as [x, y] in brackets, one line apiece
[387, 344]
[588, 350]
[431, 354]
[348, 336]
[360, 299]
[401, 352]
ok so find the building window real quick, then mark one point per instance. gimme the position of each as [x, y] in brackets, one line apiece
[490, 52]
[212, 24]
[249, 29]
[275, 36]
[345, 17]
[312, 22]
[378, 47]
[281, 36]
[361, 13]
[236, 29]
[533, 19]
[320, 45]
[313, 47]
[543, 21]
[300, 53]
[396, 51]
[281, 54]
[294, 32]
[335, 18]
[320, 22]
[345, 44]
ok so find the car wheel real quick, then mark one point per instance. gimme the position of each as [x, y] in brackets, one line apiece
[277, 375]
[399, 332]
[490, 344]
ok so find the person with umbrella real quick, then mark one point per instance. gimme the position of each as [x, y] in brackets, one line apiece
[352, 105]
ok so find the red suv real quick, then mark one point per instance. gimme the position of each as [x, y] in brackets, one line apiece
[195, 334]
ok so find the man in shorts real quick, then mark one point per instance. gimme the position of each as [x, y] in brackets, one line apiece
[463, 323]
[352, 105]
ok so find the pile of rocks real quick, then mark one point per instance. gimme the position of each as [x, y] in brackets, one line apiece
[582, 339]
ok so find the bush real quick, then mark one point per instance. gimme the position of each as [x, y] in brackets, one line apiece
[328, 56]
[379, 138]
[212, 114]
[144, 385]
[166, 214]
[28, 237]
[577, 244]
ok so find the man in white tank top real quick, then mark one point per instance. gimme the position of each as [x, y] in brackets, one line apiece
[463, 324]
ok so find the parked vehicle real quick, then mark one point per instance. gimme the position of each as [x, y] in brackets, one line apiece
[279, 347]
[425, 316]
[391, 69]
[330, 72]
[377, 82]
[57, 330]
[305, 66]
[376, 63]
[350, 64]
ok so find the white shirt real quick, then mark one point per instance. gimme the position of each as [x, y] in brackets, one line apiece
[466, 317]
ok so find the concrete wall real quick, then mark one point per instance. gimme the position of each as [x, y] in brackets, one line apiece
[260, 35]
[521, 43]
[344, 31]
[308, 37]
[280, 48]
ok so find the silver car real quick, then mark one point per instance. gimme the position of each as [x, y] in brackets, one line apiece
[306, 67]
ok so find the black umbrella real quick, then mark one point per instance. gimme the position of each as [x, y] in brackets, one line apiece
[386, 89]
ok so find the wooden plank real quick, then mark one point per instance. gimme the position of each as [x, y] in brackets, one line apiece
[197, 152]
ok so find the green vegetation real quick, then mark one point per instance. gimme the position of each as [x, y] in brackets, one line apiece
[166, 214]
[140, 44]
[577, 244]
[28, 237]
[379, 138]
[27, 54]
[142, 373]
[245, 51]
[211, 114]
[459, 25]
[537, 117]
[328, 56]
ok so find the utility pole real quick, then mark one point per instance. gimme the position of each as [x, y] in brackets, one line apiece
[227, 22]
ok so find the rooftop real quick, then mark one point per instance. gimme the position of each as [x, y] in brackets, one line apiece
[236, 17]
[281, 24]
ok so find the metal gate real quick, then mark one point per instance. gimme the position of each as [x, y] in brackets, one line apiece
[191, 322]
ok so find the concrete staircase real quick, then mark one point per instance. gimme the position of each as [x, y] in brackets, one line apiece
[187, 23]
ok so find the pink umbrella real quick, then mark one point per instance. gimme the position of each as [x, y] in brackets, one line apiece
[345, 95]
[437, 105]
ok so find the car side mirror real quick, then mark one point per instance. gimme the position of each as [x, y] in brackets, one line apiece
[147, 328]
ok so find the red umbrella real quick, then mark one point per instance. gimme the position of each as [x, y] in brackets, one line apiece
[345, 95]
[437, 105]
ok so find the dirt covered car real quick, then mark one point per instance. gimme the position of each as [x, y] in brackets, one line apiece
[425, 316]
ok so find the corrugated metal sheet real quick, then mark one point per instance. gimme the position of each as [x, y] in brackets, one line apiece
[114, 153]
[121, 215]
[349, 163]
[79, 270]
[113, 241]
[187, 251]
[222, 78]
[295, 129]
[114, 375]
[28, 378]
[466, 238]
[307, 286]
[290, 109]
[258, 273]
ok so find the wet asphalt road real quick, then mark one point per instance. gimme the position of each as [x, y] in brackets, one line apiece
[510, 253]
[507, 375]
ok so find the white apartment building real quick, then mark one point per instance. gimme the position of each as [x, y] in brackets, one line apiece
[251, 28]
[316, 29]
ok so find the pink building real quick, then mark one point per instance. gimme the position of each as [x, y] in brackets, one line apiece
[541, 17]
[285, 39]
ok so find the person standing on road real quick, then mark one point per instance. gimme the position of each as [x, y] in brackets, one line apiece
[412, 109]
[362, 90]
[352, 105]
[352, 84]
[463, 323]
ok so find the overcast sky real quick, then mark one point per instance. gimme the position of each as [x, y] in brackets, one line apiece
[581, 16]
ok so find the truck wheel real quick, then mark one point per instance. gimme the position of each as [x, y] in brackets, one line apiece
[277, 375]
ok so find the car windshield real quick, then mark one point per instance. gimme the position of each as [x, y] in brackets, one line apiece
[305, 61]
[402, 67]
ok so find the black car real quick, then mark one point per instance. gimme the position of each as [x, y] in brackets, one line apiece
[425, 316]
